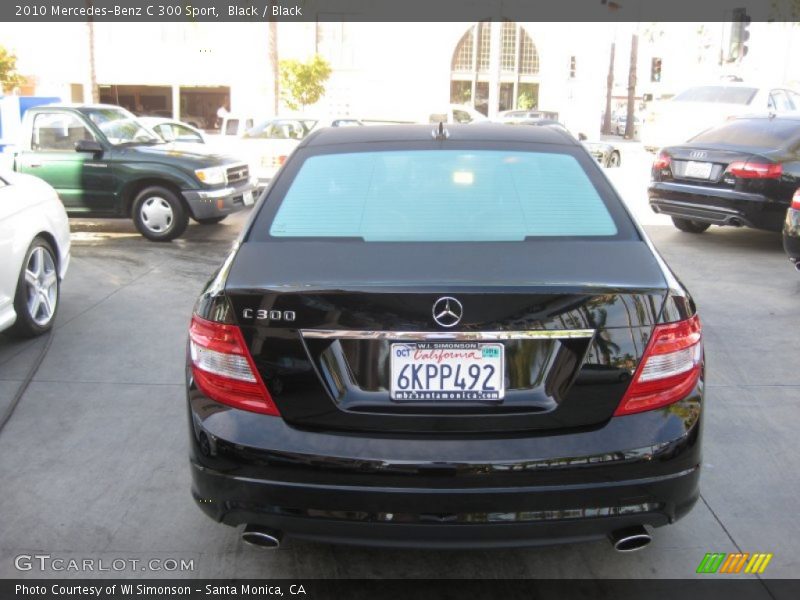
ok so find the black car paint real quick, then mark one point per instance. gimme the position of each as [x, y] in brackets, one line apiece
[791, 234]
[355, 467]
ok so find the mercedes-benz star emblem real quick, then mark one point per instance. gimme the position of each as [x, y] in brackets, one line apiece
[447, 311]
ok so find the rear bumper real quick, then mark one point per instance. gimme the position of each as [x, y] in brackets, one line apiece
[218, 202]
[445, 518]
[390, 491]
[716, 206]
[791, 234]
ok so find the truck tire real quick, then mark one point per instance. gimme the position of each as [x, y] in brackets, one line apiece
[211, 220]
[690, 226]
[38, 291]
[159, 215]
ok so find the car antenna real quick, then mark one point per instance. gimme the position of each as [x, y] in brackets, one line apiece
[440, 133]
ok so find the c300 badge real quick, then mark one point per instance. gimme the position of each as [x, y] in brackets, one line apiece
[268, 315]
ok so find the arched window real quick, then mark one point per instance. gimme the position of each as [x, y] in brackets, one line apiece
[514, 53]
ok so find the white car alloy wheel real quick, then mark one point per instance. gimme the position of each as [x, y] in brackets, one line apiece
[41, 282]
[156, 214]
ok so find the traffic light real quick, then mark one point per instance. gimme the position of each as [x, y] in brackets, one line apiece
[655, 70]
[740, 34]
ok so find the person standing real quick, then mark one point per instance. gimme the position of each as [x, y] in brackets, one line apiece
[222, 112]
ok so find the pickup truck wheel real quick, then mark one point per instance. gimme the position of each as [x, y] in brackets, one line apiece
[38, 290]
[159, 215]
[690, 226]
[613, 160]
[211, 220]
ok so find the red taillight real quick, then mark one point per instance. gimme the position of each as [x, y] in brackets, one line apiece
[755, 170]
[223, 368]
[796, 199]
[281, 159]
[662, 161]
[669, 368]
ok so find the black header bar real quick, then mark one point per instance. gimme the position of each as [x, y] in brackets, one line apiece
[395, 10]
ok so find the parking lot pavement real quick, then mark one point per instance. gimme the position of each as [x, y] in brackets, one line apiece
[93, 463]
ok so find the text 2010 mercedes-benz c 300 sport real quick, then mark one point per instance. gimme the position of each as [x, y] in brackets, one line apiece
[444, 338]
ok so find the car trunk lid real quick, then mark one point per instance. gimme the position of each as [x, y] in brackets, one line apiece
[322, 319]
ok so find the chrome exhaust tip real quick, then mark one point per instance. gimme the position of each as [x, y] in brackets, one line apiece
[262, 537]
[629, 539]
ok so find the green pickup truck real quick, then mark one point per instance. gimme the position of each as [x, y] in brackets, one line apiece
[104, 163]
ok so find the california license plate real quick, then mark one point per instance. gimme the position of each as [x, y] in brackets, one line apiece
[248, 198]
[447, 371]
[698, 170]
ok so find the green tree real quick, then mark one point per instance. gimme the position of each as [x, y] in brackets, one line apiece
[303, 84]
[525, 101]
[9, 77]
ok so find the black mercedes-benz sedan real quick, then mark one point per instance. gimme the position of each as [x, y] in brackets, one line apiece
[444, 338]
[791, 231]
[742, 173]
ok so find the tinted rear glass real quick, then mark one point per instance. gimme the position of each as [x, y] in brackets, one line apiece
[717, 93]
[442, 195]
[756, 133]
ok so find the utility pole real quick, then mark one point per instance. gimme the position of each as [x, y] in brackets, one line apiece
[609, 91]
[630, 126]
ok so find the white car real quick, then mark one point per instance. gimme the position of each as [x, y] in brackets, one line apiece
[267, 145]
[509, 116]
[457, 113]
[34, 253]
[701, 107]
[171, 130]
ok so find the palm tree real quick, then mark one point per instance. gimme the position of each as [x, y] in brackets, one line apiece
[274, 64]
[92, 73]
[629, 125]
[609, 91]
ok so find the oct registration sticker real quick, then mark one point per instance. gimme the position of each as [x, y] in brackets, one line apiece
[447, 371]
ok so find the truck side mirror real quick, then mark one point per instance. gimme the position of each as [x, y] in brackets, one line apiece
[88, 146]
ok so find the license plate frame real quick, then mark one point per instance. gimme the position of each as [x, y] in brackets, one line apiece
[698, 170]
[439, 385]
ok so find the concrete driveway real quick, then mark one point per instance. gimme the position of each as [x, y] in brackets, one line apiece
[93, 463]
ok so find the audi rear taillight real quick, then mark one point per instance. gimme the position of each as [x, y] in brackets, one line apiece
[755, 170]
[796, 199]
[669, 369]
[223, 368]
[662, 161]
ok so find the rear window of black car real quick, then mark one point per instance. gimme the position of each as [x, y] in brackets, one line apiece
[717, 93]
[754, 133]
[412, 195]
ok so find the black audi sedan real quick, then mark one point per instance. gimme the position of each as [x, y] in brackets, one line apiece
[742, 173]
[441, 338]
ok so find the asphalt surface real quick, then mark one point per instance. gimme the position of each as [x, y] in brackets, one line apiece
[93, 463]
